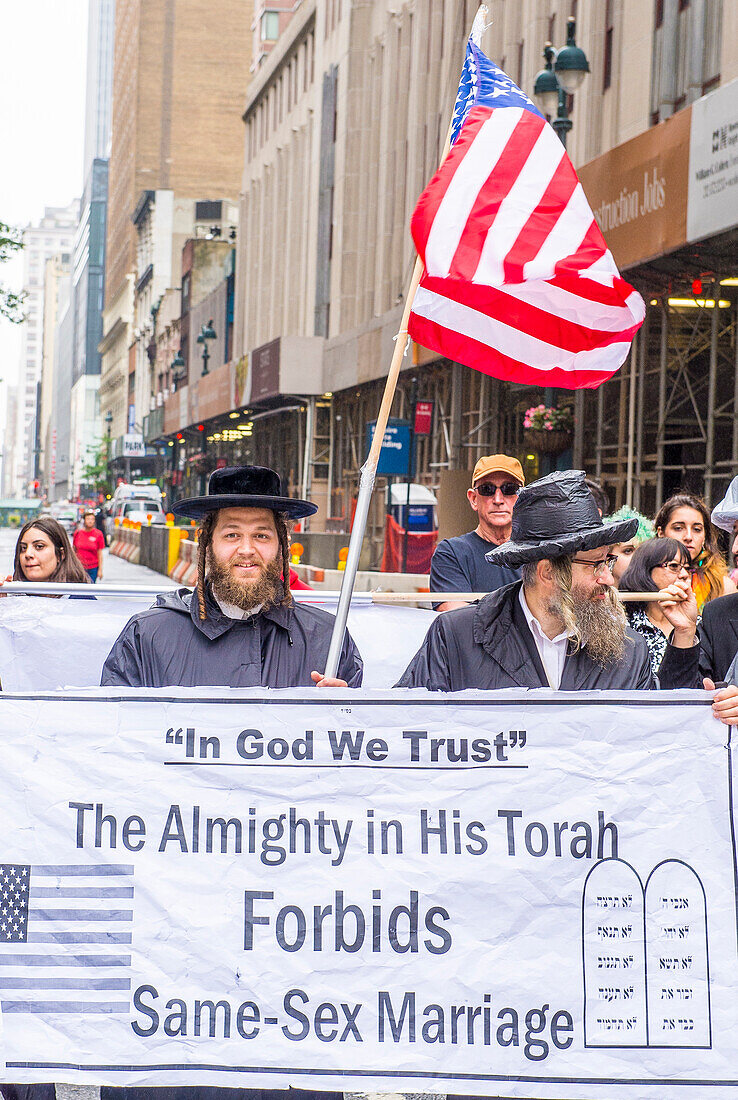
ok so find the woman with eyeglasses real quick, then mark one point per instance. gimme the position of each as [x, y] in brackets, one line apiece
[686, 517]
[657, 564]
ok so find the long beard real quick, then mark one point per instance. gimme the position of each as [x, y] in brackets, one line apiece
[599, 624]
[265, 591]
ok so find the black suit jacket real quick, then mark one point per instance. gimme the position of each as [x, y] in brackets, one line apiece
[719, 636]
[489, 645]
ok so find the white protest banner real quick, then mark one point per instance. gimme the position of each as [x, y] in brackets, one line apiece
[531, 895]
[48, 644]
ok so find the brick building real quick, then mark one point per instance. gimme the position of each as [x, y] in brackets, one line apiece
[179, 76]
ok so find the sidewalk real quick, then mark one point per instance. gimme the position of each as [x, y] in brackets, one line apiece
[122, 571]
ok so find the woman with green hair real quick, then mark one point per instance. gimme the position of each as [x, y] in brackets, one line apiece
[623, 551]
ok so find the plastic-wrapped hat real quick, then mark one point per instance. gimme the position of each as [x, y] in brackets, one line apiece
[725, 514]
[554, 517]
[244, 487]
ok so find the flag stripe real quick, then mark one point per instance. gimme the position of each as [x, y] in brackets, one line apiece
[511, 342]
[487, 360]
[83, 870]
[51, 1007]
[565, 238]
[81, 914]
[463, 188]
[528, 318]
[81, 892]
[525, 189]
[538, 228]
[12, 958]
[65, 983]
[79, 937]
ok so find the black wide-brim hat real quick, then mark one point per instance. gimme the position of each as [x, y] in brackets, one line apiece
[554, 517]
[244, 487]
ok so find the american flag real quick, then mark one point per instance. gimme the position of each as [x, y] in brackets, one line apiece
[65, 934]
[518, 281]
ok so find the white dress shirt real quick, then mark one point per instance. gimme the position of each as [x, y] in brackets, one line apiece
[552, 651]
[233, 612]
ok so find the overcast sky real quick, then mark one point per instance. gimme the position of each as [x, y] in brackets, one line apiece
[42, 91]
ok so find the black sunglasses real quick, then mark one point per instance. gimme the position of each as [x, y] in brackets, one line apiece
[487, 489]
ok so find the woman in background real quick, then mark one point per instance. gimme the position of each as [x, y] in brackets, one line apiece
[624, 551]
[655, 565]
[43, 553]
[685, 517]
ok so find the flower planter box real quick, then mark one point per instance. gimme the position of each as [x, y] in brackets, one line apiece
[547, 443]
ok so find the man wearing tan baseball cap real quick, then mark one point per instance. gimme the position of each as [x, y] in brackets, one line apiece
[459, 564]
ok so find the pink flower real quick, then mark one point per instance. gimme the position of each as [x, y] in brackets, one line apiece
[549, 427]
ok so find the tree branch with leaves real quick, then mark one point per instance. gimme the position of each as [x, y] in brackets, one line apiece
[11, 304]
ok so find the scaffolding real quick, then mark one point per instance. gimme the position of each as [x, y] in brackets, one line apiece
[667, 421]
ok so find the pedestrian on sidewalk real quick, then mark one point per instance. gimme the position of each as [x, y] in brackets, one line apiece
[89, 542]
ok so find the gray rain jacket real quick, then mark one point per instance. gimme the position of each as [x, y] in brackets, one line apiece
[168, 646]
[489, 645]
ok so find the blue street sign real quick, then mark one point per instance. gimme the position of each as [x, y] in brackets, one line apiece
[393, 457]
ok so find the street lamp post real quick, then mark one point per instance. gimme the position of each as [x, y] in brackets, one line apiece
[108, 429]
[563, 75]
[178, 370]
[207, 332]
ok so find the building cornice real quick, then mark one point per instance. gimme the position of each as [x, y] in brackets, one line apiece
[112, 335]
[298, 28]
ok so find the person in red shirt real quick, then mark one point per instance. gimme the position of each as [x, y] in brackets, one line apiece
[89, 542]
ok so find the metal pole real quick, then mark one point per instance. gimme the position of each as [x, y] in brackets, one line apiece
[455, 418]
[367, 477]
[662, 406]
[600, 426]
[410, 471]
[640, 414]
[734, 448]
[631, 420]
[711, 388]
[578, 448]
[307, 453]
[331, 446]
[368, 471]
[562, 124]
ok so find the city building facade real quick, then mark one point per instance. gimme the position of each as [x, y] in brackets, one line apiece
[332, 170]
[88, 283]
[179, 76]
[58, 270]
[54, 234]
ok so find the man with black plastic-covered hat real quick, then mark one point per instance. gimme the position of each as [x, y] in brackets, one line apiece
[240, 626]
[561, 626]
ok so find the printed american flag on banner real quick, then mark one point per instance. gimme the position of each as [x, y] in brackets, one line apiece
[65, 933]
[518, 281]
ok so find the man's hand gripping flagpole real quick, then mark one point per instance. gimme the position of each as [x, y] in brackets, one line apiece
[368, 472]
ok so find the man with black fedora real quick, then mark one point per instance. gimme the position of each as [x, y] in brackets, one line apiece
[561, 626]
[240, 626]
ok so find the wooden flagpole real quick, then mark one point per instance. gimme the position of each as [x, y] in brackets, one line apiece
[368, 473]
